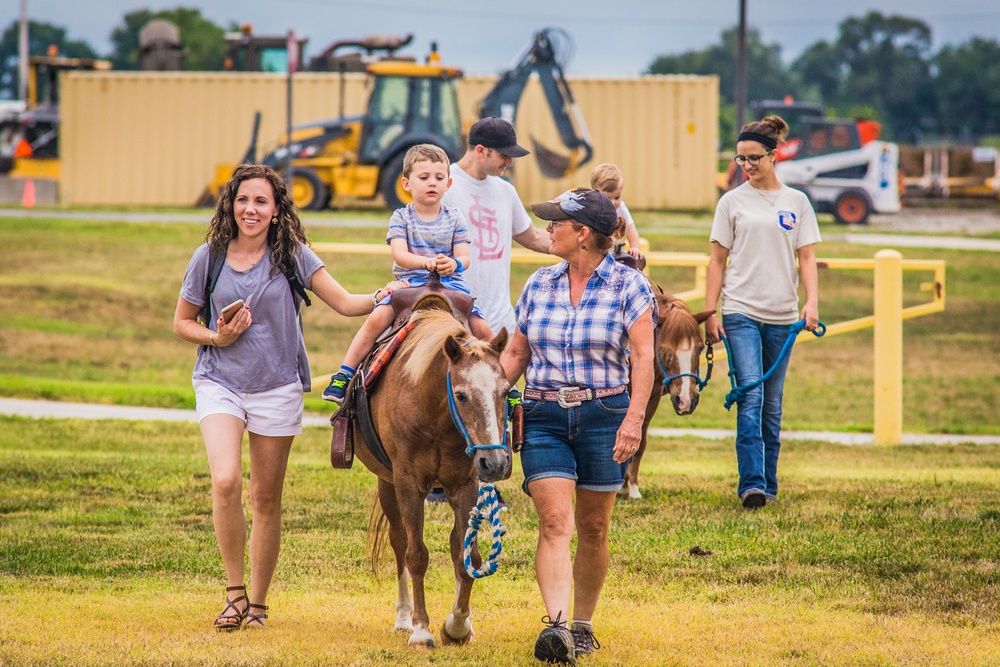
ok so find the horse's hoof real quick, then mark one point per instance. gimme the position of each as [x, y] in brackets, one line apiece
[633, 492]
[421, 639]
[448, 640]
[403, 625]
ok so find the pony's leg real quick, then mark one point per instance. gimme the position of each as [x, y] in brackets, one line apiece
[397, 539]
[411, 509]
[457, 628]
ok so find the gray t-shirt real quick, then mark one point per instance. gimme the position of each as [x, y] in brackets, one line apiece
[272, 352]
[763, 231]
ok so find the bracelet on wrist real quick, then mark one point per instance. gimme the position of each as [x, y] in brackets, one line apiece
[211, 339]
[375, 298]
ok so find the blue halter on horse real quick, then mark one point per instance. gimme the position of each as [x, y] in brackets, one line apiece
[487, 505]
[738, 393]
[668, 378]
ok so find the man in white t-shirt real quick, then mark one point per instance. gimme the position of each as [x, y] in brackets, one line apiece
[495, 216]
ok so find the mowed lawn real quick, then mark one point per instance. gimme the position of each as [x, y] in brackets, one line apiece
[872, 556]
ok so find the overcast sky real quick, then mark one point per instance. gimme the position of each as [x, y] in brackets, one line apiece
[611, 38]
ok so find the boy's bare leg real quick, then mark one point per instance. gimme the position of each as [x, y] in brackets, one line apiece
[377, 322]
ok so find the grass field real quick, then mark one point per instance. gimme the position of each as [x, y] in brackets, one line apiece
[872, 556]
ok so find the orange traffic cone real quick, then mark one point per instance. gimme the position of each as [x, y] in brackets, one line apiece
[28, 197]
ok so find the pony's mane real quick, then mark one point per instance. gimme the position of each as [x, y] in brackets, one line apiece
[676, 321]
[424, 343]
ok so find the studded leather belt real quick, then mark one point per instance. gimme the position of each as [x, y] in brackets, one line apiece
[570, 397]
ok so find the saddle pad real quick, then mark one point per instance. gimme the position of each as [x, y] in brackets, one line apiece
[374, 369]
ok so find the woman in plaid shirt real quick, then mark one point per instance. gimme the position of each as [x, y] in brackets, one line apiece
[578, 323]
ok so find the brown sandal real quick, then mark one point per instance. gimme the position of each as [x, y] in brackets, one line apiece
[258, 619]
[228, 622]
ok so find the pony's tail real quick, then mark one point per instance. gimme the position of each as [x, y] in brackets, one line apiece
[377, 533]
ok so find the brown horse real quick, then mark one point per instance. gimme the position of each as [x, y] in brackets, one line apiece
[410, 411]
[679, 343]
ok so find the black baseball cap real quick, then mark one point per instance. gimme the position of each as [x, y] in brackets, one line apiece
[498, 134]
[586, 206]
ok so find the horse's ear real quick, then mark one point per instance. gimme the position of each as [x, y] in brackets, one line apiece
[453, 348]
[499, 341]
[664, 301]
[704, 315]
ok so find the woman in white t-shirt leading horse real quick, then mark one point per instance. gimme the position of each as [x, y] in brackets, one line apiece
[761, 228]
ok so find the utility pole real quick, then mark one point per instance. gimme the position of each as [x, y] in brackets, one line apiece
[22, 53]
[741, 67]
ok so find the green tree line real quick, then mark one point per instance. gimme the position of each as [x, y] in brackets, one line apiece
[880, 67]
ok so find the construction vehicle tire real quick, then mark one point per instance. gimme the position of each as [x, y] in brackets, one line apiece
[308, 191]
[391, 185]
[852, 208]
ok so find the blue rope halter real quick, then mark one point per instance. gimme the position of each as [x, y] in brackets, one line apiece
[487, 506]
[456, 419]
[668, 378]
[738, 393]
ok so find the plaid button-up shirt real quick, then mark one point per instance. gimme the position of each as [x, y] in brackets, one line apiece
[585, 346]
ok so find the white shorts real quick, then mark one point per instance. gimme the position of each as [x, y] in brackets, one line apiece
[276, 412]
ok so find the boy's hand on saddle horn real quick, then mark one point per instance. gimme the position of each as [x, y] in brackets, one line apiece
[445, 266]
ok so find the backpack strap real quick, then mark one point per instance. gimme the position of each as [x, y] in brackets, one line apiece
[298, 291]
[216, 261]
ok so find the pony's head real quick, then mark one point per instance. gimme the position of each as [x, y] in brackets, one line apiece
[679, 347]
[478, 387]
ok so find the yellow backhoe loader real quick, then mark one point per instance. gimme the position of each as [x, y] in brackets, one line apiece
[361, 157]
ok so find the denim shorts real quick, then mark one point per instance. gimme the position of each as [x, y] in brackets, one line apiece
[575, 443]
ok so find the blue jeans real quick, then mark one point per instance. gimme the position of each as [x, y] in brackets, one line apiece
[755, 346]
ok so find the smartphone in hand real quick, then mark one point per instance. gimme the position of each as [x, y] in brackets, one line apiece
[230, 311]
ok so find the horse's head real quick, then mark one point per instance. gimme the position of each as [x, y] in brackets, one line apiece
[478, 387]
[679, 347]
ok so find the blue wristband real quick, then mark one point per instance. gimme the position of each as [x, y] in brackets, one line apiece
[458, 263]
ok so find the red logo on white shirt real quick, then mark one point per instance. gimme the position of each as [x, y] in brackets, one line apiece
[485, 222]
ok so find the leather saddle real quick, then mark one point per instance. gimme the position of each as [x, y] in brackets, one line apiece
[355, 411]
[457, 303]
[620, 255]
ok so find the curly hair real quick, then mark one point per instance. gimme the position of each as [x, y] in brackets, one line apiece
[285, 232]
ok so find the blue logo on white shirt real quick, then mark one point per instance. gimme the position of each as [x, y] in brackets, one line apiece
[786, 220]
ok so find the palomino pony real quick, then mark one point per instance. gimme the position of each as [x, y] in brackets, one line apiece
[410, 411]
[679, 343]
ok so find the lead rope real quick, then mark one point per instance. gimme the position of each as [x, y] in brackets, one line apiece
[487, 509]
[739, 393]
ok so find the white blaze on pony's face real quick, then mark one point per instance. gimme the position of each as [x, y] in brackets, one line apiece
[687, 361]
[479, 390]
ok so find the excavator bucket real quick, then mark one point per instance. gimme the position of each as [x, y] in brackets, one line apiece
[550, 163]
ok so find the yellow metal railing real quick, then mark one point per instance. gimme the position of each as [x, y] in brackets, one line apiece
[888, 314]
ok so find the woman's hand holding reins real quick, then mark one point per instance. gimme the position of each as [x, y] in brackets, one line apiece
[226, 334]
[810, 313]
[713, 330]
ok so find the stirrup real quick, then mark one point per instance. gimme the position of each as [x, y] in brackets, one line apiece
[224, 622]
[256, 618]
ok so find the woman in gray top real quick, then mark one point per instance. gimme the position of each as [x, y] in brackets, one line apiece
[252, 370]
